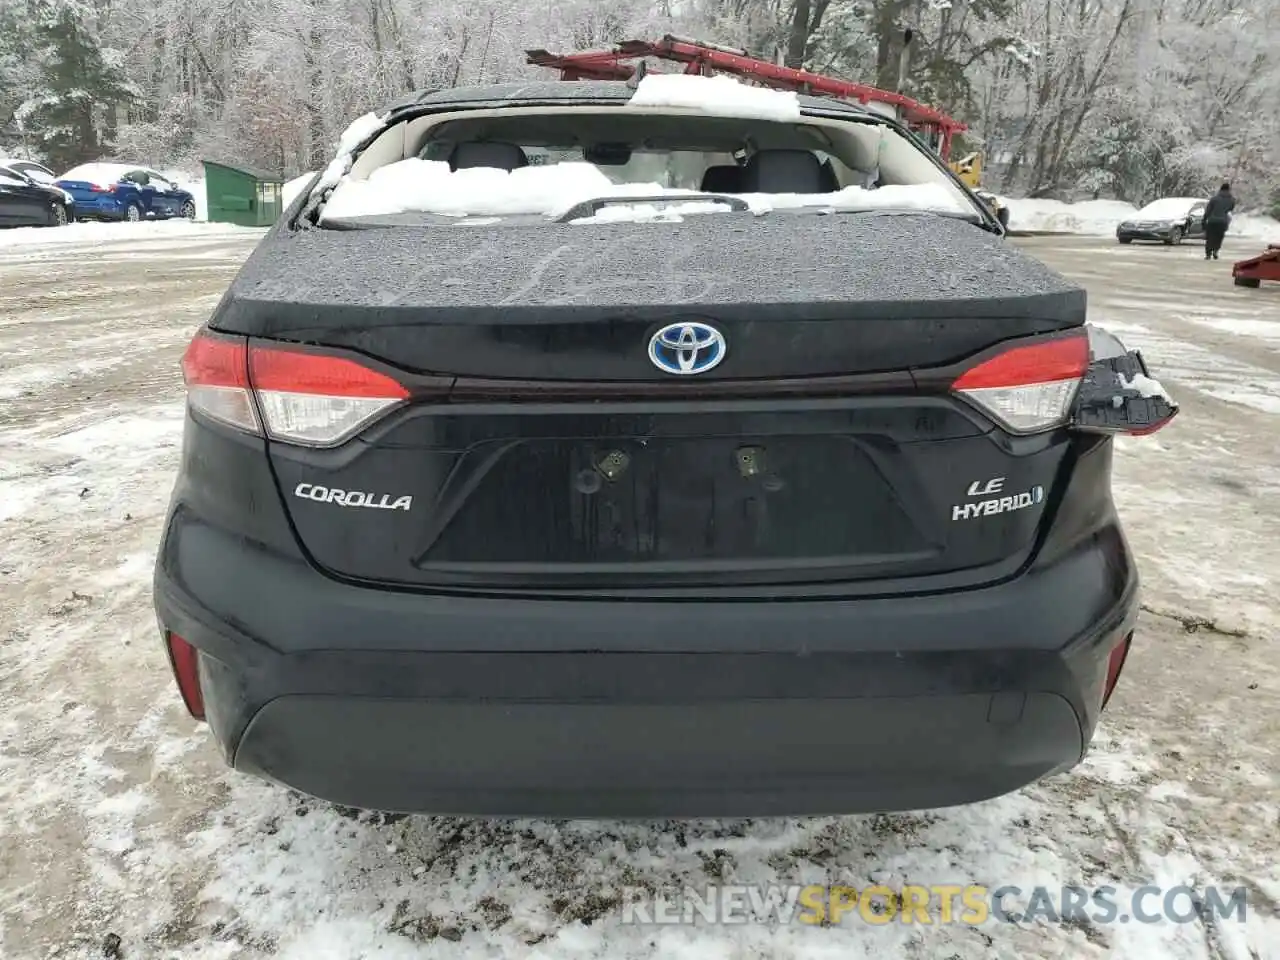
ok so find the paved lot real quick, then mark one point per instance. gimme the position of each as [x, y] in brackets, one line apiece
[118, 820]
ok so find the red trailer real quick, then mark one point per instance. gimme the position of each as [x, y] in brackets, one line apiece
[1265, 266]
[708, 59]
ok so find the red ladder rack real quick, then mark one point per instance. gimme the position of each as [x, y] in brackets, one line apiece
[707, 59]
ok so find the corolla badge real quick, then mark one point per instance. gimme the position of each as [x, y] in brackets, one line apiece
[687, 348]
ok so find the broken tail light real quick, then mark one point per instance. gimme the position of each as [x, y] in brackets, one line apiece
[1118, 394]
[1087, 381]
[292, 395]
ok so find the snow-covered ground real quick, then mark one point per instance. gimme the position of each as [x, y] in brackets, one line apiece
[1101, 217]
[118, 819]
[91, 234]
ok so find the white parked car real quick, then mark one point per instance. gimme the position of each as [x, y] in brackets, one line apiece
[1169, 221]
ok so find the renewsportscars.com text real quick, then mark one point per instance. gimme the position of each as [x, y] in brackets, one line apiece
[971, 904]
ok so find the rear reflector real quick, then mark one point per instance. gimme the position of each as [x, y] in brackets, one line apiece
[309, 399]
[185, 661]
[1028, 388]
[1115, 663]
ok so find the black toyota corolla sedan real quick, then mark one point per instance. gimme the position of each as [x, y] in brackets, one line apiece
[559, 454]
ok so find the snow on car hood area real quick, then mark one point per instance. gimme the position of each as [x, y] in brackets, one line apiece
[430, 186]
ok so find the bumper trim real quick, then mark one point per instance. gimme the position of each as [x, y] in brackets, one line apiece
[751, 758]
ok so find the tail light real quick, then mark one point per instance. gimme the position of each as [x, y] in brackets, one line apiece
[216, 371]
[1028, 388]
[99, 188]
[1115, 663]
[185, 661]
[316, 400]
[309, 399]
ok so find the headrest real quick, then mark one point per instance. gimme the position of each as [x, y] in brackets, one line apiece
[503, 156]
[725, 179]
[783, 171]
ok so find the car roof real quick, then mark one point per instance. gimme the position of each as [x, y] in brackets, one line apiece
[104, 170]
[10, 161]
[583, 92]
[7, 169]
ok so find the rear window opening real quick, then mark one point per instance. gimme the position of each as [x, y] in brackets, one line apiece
[590, 164]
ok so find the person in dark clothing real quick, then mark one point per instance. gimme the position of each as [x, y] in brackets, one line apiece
[1217, 217]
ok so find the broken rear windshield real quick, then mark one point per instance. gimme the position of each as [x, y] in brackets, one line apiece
[586, 164]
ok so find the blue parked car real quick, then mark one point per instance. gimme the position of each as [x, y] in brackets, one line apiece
[118, 191]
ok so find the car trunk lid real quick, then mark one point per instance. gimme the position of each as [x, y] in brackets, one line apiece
[539, 448]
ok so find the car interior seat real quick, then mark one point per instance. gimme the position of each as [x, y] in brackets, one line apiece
[783, 171]
[830, 182]
[487, 153]
[722, 179]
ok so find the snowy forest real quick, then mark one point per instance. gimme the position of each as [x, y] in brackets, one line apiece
[1124, 99]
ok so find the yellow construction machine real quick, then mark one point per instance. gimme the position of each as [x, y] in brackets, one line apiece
[969, 169]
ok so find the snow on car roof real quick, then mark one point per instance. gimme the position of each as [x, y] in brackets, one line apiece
[718, 96]
[1169, 207]
[99, 172]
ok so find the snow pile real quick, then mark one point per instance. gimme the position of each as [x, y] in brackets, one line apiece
[294, 187]
[924, 196]
[718, 96]
[666, 213]
[1095, 217]
[430, 186]
[1146, 387]
[1101, 217]
[356, 133]
[1255, 226]
[916, 196]
[359, 130]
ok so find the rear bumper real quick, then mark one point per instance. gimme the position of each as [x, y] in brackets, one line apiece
[514, 707]
[100, 207]
[737, 757]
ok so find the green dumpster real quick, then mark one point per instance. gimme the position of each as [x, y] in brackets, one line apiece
[241, 195]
